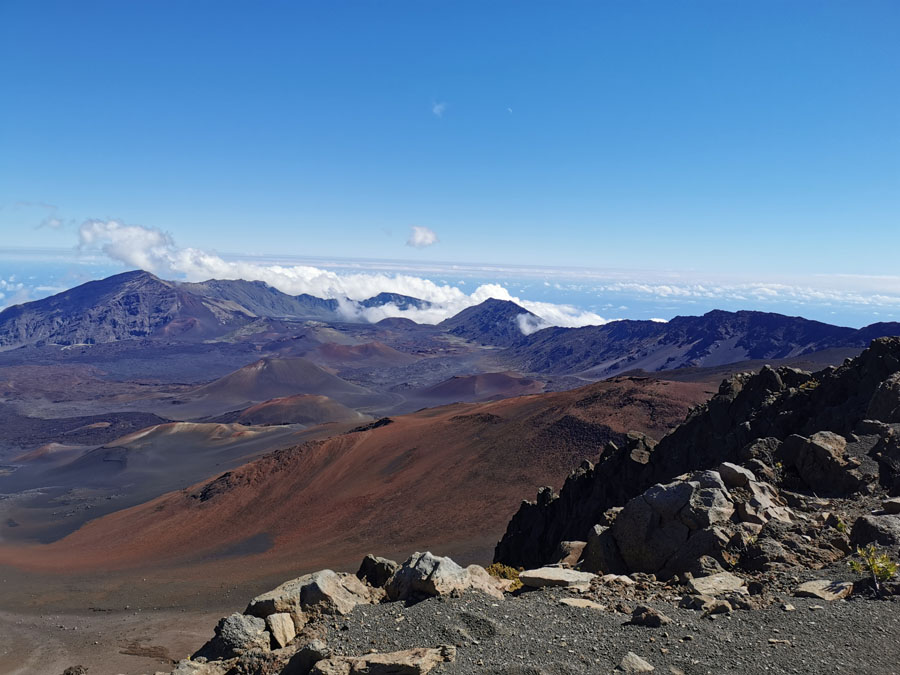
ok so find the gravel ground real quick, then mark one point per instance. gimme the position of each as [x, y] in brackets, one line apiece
[534, 634]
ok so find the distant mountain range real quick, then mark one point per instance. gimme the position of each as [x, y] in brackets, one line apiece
[140, 305]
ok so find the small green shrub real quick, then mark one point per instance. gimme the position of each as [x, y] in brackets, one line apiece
[841, 526]
[502, 571]
[875, 563]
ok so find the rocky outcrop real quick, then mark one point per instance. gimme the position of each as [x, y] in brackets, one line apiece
[784, 426]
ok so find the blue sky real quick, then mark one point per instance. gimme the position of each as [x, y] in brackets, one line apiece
[753, 140]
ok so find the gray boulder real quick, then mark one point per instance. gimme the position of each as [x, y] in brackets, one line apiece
[324, 591]
[821, 463]
[425, 574]
[669, 526]
[235, 635]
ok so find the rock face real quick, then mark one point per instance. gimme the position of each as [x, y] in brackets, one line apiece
[424, 575]
[782, 427]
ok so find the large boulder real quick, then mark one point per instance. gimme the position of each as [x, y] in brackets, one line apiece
[235, 635]
[425, 574]
[325, 591]
[821, 463]
[668, 527]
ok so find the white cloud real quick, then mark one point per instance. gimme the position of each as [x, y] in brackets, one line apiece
[155, 251]
[437, 109]
[421, 237]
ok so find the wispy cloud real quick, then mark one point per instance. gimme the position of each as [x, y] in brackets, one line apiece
[438, 108]
[421, 237]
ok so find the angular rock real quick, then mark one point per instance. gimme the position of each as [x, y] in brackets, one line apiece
[824, 589]
[632, 663]
[555, 576]
[376, 571]
[424, 574]
[668, 527]
[569, 552]
[647, 616]
[734, 475]
[883, 530]
[281, 627]
[821, 463]
[724, 582]
[407, 662]
[764, 504]
[236, 634]
[324, 591]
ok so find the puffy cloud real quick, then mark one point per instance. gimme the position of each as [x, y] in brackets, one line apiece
[421, 237]
[153, 250]
[437, 109]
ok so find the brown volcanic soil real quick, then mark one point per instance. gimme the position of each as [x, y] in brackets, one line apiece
[305, 409]
[446, 479]
[370, 353]
[483, 387]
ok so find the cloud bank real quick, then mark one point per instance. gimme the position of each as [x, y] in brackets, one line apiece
[155, 251]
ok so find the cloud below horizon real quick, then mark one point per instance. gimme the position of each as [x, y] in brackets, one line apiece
[155, 251]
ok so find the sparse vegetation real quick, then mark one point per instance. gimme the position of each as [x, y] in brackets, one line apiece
[502, 571]
[875, 563]
[841, 526]
[811, 383]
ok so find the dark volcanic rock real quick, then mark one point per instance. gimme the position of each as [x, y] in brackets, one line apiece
[493, 322]
[749, 417]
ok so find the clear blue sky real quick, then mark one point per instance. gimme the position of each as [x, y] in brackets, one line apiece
[717, 136]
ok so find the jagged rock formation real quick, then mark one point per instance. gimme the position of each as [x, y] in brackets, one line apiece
[786, 426]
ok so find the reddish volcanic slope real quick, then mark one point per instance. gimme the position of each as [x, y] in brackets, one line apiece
[447, 479]
[370, 353]
[299, 409]
[483, 387]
